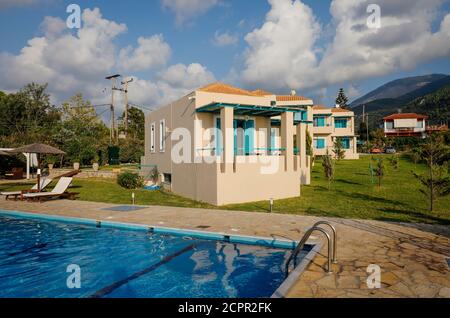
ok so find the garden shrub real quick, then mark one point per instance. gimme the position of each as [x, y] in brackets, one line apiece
[129, 180]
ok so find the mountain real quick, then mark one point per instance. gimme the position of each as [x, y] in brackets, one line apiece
[432, 99]
[398, 88]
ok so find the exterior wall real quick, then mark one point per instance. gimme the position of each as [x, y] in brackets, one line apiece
[243, 179]
[330, 132]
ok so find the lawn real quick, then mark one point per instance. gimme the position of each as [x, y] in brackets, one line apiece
[353, 194]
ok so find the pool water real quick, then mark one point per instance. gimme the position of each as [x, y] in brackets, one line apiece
[35, 255]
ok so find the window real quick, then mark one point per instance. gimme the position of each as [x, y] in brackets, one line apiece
[319, 143]
[162, 135]
[340, 123]
[319, 121]
[345, 143]
[152, 137]
[420, 124]
[167, 178]
[389, 125]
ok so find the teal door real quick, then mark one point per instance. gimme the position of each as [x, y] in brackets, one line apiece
[249, 137]
[244, 135]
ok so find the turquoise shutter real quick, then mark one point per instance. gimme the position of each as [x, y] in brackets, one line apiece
[218, 138]
[249, 137]
[235, 137]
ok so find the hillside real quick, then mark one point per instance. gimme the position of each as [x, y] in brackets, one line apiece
[398, 88]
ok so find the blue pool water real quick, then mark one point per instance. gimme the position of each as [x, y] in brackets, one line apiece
[34, 256]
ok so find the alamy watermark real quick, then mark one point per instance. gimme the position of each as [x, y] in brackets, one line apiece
[374, 279]
[374, 19]
[74, 279]
[73, 21]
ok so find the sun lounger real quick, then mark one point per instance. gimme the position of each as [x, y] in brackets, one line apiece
[44, 184]
[60, 191]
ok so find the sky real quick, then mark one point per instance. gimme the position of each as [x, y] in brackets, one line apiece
[171, 47]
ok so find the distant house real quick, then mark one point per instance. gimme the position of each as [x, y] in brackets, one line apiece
[330, 124]
[405, 125]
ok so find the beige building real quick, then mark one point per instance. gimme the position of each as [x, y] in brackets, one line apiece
[221, 144]
[331, 123]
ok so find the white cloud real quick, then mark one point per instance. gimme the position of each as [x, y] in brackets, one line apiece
[294, 49]
[224, 39]
[283, 47]
[73, 63]
[151, 52]
[186, 10]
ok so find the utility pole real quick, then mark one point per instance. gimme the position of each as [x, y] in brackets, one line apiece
[125, 83]
[112, 135]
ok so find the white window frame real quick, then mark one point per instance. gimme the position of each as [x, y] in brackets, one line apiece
[153, 138]
[162, 135]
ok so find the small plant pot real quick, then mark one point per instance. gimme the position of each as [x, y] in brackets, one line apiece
[76, 166]
[50, 166]
[95, 166]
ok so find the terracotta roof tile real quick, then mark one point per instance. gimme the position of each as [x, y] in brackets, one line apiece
[340, 110]
[405, 116]
[222, 88]
[261, 92]
[317, 107]
[290, 98]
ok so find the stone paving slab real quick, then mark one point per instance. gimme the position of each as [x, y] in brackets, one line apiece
[413, 261]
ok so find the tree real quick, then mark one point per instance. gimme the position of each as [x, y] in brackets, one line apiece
[394, 161]
[378, 138]
[342, 99]
[136, 123]
[81, 133]
[338, 150]
[309, 148]
[27, 115]
[328, 168]
[436, 181]
[379, 169]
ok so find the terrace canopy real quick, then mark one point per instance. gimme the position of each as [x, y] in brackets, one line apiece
[254, 110]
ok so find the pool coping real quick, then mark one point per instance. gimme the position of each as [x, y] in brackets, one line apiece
[280, 292]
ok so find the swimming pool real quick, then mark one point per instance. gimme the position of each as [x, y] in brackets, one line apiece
[35, 255]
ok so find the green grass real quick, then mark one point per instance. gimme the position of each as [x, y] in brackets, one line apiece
[352, 195]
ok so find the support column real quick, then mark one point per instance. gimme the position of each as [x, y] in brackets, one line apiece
[301, 143]
[287, 139]
[226, 119]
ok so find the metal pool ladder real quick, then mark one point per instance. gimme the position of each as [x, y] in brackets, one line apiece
[332, 245]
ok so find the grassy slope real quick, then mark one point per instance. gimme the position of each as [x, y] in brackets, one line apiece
[352, 195]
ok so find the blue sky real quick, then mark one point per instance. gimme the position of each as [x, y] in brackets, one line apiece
[242, 62]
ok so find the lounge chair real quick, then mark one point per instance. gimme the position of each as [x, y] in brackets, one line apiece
[60, 191]
[44, 184]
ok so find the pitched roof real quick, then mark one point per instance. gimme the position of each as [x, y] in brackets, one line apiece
[290, 98]
[261, 92]
[405, 116]
[317, 107]
[341, 110]
[222, 88]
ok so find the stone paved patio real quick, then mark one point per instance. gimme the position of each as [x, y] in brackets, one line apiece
[412, 260]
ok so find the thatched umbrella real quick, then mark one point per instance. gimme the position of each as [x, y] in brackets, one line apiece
[38, 149]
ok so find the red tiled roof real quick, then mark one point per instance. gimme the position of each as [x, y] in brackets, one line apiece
[341, 110]
[261, 92]
[319, 107]
[405, 116]
[290, 98]
[225, 89]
